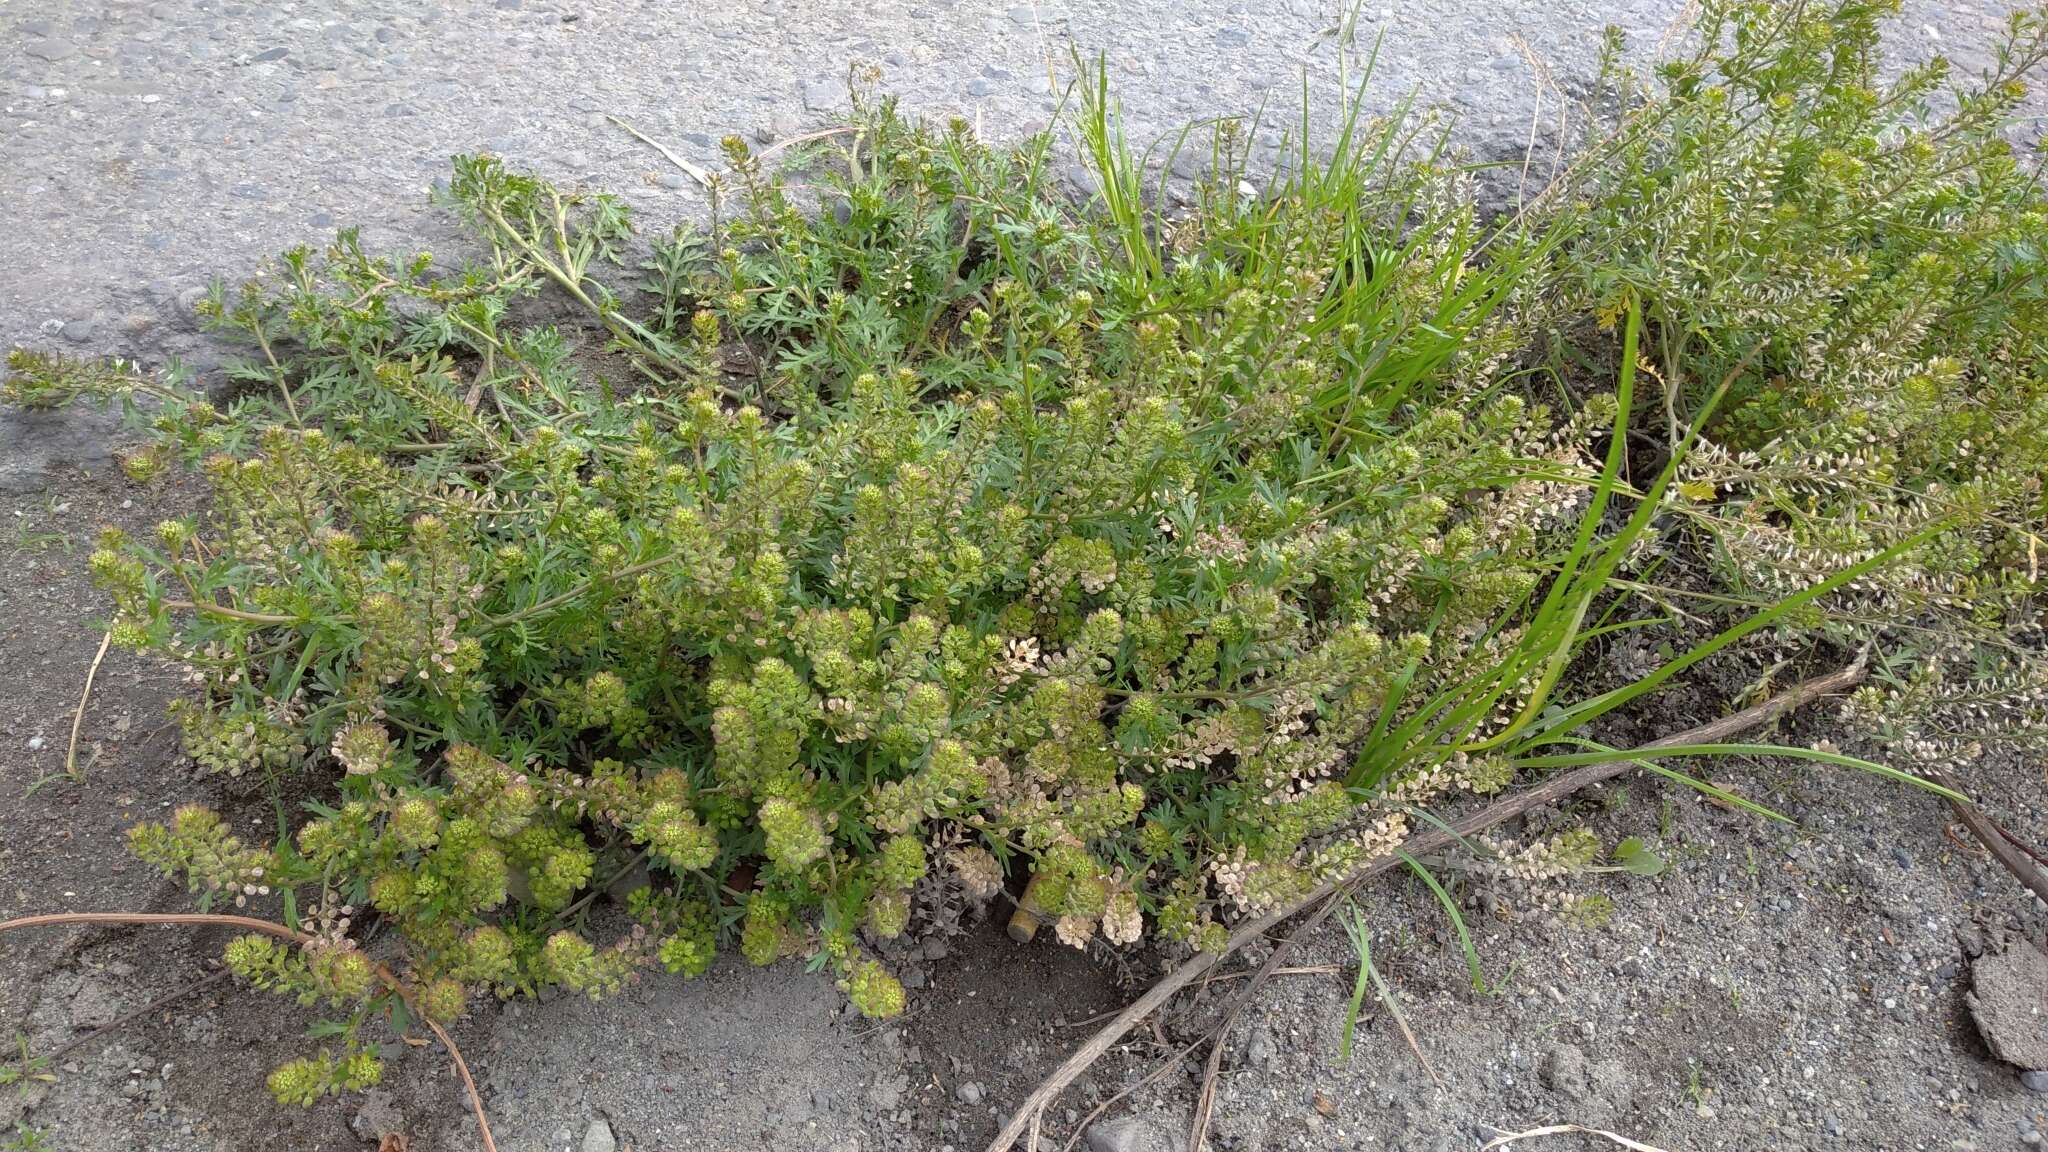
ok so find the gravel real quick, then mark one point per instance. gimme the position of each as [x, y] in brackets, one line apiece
[376, 1116]
[1131, 1134]
[94, 1005]
[1698, 1016]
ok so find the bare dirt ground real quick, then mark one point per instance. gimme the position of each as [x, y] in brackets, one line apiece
[1774, 989]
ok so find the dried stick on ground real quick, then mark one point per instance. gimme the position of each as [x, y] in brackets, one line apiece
[272, 928]
[1546, 793]
[1509, 1138]
[1205, 1100]
[167, 998]
[84, 698]
[1994, 839]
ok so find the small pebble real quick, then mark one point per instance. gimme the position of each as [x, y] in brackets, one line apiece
[53, 50]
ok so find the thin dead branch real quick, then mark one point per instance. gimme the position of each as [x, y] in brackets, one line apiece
[1219, 978]
[693, 171]
[1542, 795]
[66, 1048]
[1393, 1007]
[1205, 1100]
[2017, 858]
[1504, 1140]
[78, 718]
[806, 138]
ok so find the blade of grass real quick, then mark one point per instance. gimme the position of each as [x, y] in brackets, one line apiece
[1457, 920]
[1584, 712]
[1716, 792]
[1580, 759]
[1361, 942]
[1695, 783]
[1393, 1007]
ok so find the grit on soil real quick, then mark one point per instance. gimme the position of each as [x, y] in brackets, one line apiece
[1774, 989]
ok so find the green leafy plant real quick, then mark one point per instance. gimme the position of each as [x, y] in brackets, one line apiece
[930, 533]
[26, 1069]
[1637, 859]
[1869, 251]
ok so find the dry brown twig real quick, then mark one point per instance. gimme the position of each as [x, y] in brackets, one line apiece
[2017, 858]
[707, 179]
[1221, 977]
[1164, 1066]
[1546, 793]
[66, 1048]
[84, 697]
[1505, 1139]
[1545, 81]
[693, 171]
[805, 138]
[1205, 1100]
[272, 928]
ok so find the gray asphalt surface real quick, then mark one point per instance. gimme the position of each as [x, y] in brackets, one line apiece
[149, 146]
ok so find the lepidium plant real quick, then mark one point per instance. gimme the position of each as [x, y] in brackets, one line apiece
[1869, 241]
[879, 551]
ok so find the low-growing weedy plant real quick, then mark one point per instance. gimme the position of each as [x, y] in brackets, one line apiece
[832, 566]
[1871, 250]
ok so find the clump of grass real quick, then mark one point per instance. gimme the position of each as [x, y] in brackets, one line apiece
[26, 1069]
[27, 1139]
[1183, 560]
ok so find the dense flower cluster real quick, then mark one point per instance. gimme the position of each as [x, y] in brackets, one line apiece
[331, 972]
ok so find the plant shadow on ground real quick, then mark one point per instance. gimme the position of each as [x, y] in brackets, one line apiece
[999, 1015]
